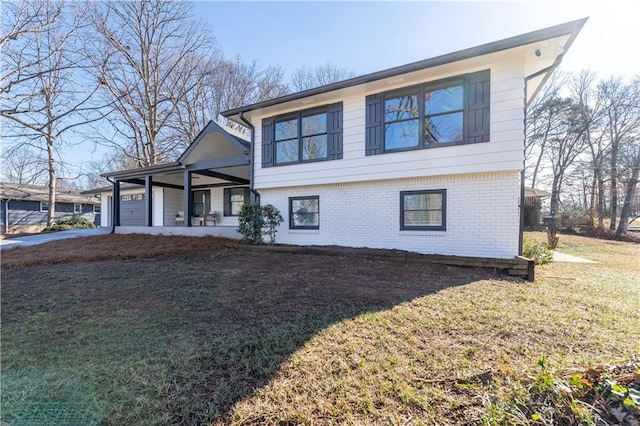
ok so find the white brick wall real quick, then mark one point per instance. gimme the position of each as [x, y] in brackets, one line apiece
[482, 215]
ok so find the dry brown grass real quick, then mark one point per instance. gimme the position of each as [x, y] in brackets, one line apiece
[234, 336]
[109, 247]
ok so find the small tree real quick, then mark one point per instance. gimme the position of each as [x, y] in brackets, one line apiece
[255, 221]
[272, 219]
[251, 222]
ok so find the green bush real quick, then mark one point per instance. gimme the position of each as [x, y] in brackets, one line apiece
[69, 223]
[539, 252]
[255, 221]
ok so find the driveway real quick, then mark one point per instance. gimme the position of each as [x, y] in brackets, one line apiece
[32, 240]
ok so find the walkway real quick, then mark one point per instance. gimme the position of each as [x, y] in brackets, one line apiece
[32, 240]
[562, 257]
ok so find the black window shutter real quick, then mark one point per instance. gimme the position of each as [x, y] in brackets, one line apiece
[334, 131]
[373, 126]
[267, 142]
[478, 107]
[227, 201]
[247, 196]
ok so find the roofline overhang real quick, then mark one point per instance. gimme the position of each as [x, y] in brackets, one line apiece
[567, 28]
[143, 171]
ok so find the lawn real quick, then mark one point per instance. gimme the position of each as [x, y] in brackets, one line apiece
[172, 330]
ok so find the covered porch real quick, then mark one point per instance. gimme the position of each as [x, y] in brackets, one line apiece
[199, 194]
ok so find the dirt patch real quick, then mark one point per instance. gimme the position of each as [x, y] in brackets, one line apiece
[110, 247]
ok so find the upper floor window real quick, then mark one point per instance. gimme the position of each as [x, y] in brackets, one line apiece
[44, 206]
[77, 208]
[424, 115]
[96, 208]
[303, 136]
[441, 113]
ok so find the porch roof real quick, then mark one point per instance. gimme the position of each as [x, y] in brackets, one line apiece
[212, 150]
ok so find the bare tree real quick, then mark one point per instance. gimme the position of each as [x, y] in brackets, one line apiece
[143, 55]
[23, 165]
[42, 109]
[307, 77]
[622, 104]
[20, 21]
[225, 84]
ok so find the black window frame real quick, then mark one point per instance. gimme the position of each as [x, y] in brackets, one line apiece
[206, 204]
[299, 115]
[420, 90]
[227, 193]
[308, 197]
[442, 227]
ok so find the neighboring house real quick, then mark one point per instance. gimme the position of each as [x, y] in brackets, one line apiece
[533, 206]
[24, 208]
[425, 157]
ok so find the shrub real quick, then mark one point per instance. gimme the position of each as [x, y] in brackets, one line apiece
[69, 223]
[539, 252]
[255, 221]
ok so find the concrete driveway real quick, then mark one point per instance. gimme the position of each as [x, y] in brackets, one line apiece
[32, 240]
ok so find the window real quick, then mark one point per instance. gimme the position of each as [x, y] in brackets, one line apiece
[234, 199]
[201, 202]
[438, 109]
[77, 209]
[301, 137]
[423, 210]
[447, 112]
[132, 197]
[96, 208]
[304, 212]
[44, 206]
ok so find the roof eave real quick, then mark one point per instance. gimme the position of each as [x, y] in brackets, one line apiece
[142, 171]
[572, 27]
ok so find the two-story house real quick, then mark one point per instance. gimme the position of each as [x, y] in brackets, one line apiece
[425, 157]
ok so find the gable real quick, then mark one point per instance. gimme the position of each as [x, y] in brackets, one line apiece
[214, 143]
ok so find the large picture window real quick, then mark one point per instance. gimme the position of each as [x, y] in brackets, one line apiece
[423, 210]
[301, 137]
[304, 212]
[426, 115]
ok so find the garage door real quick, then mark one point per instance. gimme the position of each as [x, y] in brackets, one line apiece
[132, 210]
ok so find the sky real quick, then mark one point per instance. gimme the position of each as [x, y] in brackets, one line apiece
[365, 37]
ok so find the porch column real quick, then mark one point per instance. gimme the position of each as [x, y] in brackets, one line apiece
[188, 198]
[148, 202]
[116, 203]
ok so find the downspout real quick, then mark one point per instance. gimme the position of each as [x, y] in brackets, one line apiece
[524, 121]
[113, 209]
[6, 217]
[252, 153]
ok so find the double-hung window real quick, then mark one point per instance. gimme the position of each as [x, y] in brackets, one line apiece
[44, 206]
[77, 209]
[423, 210]
[301, 137]
[425, 115]
[304, 212]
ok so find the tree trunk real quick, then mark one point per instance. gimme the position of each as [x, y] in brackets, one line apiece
[52, 182]
[628, 199]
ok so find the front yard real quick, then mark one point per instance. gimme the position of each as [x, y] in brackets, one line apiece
[172, 330]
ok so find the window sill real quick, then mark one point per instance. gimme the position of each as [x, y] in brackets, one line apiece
[304, 231]
[424, 233]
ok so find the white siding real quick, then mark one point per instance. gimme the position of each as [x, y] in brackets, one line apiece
[158, 204]
[173, 202]
[504, 152]
[482, 215]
